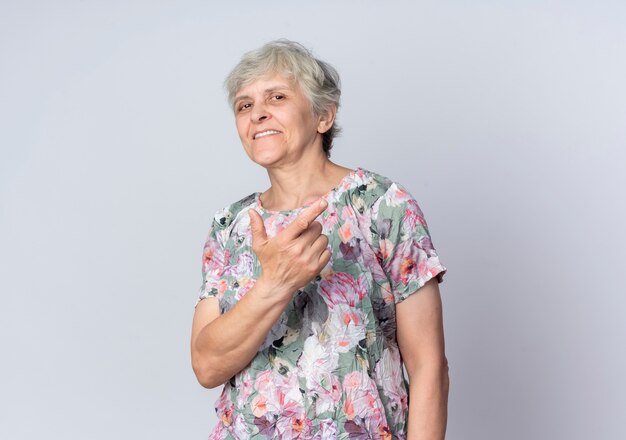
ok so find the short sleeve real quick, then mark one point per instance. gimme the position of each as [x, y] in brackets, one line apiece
[405, 248]
[212, 265]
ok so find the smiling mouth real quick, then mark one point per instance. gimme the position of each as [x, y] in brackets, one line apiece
[265, 133]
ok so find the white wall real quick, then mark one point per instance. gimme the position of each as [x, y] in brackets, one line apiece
[506, 120]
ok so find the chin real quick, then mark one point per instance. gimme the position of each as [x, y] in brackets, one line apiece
[266, 158]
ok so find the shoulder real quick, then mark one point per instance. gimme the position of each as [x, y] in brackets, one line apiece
[227, 217]
[373, 191]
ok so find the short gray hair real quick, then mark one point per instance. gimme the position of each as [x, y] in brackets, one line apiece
[318, 80]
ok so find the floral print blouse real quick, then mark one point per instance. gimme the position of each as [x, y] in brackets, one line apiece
[330, 367]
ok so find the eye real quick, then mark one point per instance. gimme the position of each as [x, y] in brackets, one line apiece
[278, 97]
[244, 106]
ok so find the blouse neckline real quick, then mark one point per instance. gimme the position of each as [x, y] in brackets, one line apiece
[344, 184]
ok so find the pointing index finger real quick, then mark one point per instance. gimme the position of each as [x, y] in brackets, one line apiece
[305, 218]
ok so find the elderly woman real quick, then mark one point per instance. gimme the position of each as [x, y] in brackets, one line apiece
[317, 291]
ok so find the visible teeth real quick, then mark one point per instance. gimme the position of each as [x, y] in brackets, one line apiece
[265, 133]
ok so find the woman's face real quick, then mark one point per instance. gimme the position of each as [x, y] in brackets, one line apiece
[275, 122]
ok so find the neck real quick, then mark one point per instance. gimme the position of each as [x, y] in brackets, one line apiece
[301, 183]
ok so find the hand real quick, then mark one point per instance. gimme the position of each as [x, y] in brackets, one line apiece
[296, 255]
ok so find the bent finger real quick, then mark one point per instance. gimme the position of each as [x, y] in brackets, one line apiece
[310, 235]
[324, 258]
[318, 246]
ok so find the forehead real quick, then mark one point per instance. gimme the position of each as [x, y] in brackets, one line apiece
[266, 83]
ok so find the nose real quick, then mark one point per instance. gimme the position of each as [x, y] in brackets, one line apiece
[259, 113]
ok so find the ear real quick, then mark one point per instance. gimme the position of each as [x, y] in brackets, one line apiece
[326, 120]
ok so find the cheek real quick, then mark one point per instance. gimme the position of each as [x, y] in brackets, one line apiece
[239, 125]
[242, 130]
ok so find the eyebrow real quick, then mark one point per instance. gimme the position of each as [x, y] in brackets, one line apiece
[266, 91]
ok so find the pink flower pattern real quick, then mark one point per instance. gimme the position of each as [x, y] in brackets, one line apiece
[330, 367]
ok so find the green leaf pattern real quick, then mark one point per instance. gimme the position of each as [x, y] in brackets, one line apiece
[330, 367]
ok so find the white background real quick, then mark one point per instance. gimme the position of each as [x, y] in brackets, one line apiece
[506, 120]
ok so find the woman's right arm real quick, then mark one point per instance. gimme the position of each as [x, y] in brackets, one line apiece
[223, 344]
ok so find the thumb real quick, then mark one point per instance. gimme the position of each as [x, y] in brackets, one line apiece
[257, 227]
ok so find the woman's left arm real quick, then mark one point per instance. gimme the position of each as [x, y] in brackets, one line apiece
[421, 342]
